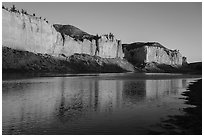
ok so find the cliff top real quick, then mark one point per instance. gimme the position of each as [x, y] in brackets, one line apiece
[69, 30]
[142, 44]
[22, 12]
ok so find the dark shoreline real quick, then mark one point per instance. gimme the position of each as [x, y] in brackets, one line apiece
[191, 122]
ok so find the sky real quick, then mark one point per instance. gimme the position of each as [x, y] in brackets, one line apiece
[174, 25]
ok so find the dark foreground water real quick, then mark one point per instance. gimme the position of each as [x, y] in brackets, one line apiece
[93, 104]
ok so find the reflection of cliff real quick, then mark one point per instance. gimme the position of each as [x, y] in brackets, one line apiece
[79, 97]
[96, 95]
[134, 91]
[69, 106]
[45, 102]
[62, 107]
[141, 90]
[110, 95]
[160, 88]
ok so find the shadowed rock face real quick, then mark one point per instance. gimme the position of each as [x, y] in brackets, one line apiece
[139, 53]
[29, 33]
[196, 66]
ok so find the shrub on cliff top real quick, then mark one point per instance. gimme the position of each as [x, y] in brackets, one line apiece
[13, 8]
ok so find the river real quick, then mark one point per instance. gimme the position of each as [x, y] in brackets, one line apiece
[112, 103]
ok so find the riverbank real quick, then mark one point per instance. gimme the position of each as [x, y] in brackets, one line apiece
[194, 114]
[191, 122]
[17, 61]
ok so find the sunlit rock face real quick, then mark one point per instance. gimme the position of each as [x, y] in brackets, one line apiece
[110, 48]
[25, 32]
[140, 53]
[30, 33]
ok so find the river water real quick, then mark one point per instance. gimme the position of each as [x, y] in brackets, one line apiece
[121, 103]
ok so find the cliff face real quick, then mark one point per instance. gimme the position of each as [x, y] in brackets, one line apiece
[140, 53]
[29, 33]
[25, 32]
[161, 56]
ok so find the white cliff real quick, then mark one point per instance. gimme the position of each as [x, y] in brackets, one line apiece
[140, 53]
[30, 33]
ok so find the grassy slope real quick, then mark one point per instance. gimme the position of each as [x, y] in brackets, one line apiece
[73, 32]
[24, 61]
[164, 68]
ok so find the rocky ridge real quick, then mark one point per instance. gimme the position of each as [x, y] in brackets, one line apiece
[31, 44]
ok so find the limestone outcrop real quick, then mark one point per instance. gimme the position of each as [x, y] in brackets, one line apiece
[31, 43]
[29, 33]
[140, 53]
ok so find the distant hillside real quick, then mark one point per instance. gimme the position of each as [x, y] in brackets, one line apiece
[73, 32]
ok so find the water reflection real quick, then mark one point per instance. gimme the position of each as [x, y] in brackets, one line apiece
[134, 91]
[62, 105]
[158, 88]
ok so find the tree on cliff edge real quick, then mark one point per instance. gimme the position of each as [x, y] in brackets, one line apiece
[13, 8]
